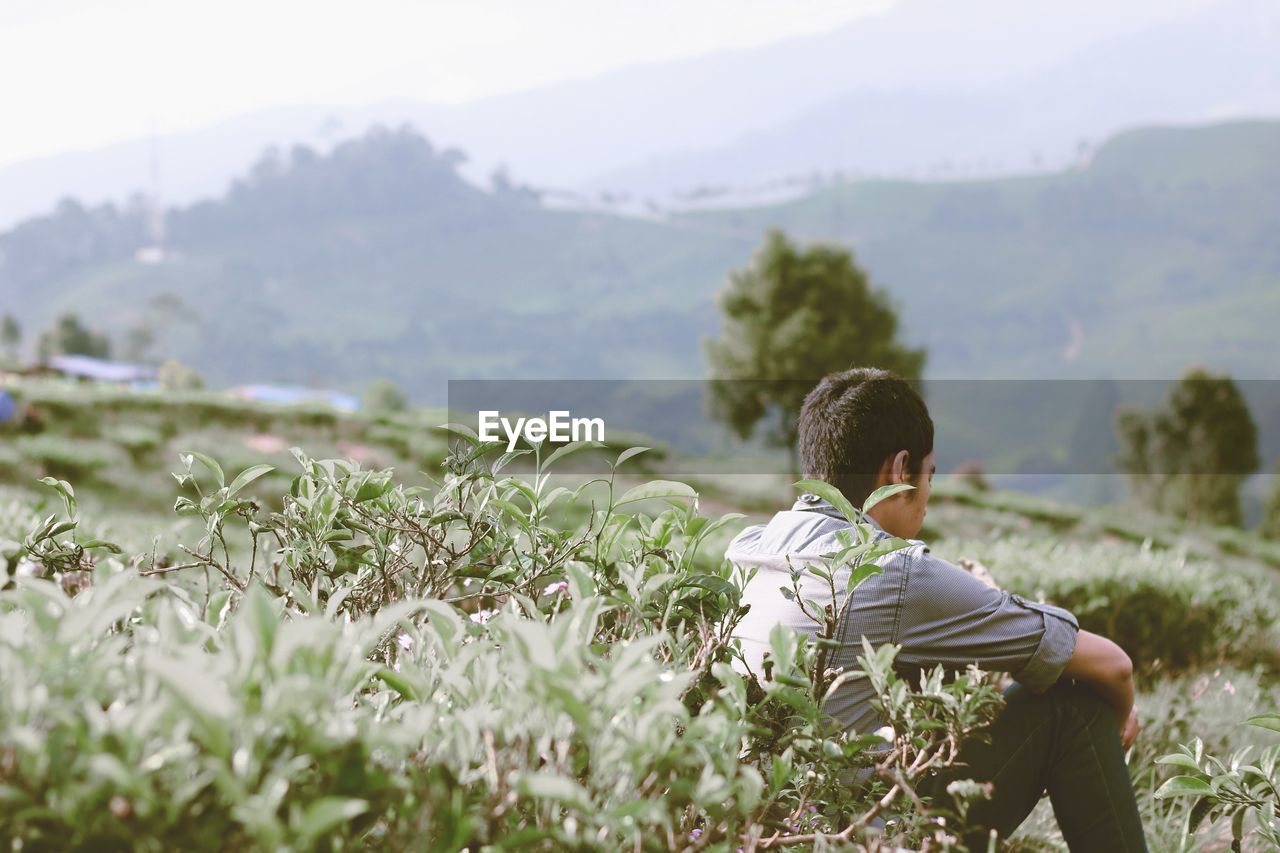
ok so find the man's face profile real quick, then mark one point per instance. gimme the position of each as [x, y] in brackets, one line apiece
[903, 514]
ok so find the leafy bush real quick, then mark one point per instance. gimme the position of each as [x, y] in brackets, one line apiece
[1237, 788]
[1174, 711]
[432, 668]
[1168, 611]
[176, 376]
[12, 463]
[383, 395]
[67, 458]
[1055, 515]
[139, 442]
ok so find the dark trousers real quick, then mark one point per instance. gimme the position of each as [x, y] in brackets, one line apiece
[1064, 741]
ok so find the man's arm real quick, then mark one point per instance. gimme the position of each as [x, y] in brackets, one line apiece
[1103, 666]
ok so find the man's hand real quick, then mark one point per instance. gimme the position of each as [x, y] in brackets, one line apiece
[979, 571]
[1129, 731]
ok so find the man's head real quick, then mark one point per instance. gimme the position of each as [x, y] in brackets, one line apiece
[865, 428]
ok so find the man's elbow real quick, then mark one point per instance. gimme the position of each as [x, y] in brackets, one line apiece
[1120, 669]
[1099, 660]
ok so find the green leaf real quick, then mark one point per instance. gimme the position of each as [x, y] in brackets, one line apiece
[506, 457]
[1265, 721]
[11, 796]
[581, 584]
[259, 609]
[200, 693]
[627, 454]
[326, 813]
[101, 545]
[656, 489]
[1198, 813]
[443, 617]
[247, 476]
[1177, 759]
[63, 488]
[373, 487]
[567, 449]
[219, 606]
[397, 682]
[553, 786]
[713, 584]
[831, 495]
[62, 527]
[523, 839]
[461, 430]
[884, 492]
[535, 643]
[1184, 786]
[214, 468]
[860, 574]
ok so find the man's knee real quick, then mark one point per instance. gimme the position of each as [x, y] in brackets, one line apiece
[1064, 696]
[1082, 701]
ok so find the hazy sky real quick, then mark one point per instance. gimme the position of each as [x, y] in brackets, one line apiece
[82, 73]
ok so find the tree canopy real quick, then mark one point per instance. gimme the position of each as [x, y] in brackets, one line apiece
[791, 316]
[1189, 457]
[70, 336]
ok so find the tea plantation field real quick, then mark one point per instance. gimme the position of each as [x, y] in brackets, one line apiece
[209, 640]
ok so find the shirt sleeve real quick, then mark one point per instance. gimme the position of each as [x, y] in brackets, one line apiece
[949, 617]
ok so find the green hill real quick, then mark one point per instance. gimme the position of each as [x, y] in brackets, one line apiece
[378, 260]
[1159, 253]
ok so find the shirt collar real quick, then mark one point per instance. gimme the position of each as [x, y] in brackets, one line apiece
[812, 503]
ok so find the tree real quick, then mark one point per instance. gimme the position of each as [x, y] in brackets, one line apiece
[1270, 526]
[1190, 457]
[155, 321]
[139, 338]
[10, 335]
[71, 337]
[789, 318]
[176, 376]
[383, 396]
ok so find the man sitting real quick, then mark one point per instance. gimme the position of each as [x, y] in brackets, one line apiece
[1068, 717]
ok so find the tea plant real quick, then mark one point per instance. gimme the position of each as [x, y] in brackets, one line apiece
[1230, 789]
[493, 662]
[1169, 611]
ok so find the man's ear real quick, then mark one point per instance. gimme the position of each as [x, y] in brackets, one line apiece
[901, 469]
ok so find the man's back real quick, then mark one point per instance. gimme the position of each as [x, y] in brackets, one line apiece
[936, 611]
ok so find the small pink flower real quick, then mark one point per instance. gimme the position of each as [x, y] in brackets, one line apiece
[558, 586]
[1229, 688]
[405, 641]
[480, 617]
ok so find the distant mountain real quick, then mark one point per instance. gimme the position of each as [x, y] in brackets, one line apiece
[897, 84]
[1221, 62]
[374, 260]
[379, 260]
[192, 166]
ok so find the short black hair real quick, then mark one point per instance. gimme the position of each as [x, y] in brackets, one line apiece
[853, 420]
